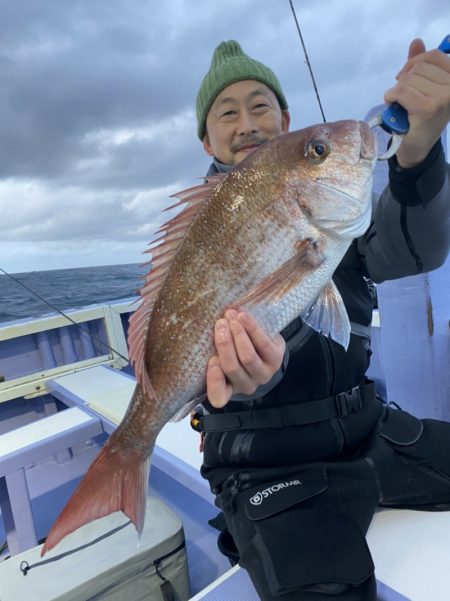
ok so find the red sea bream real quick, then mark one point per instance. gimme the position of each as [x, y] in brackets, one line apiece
[266, 237]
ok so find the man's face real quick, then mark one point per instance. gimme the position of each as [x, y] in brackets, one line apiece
[243, 116]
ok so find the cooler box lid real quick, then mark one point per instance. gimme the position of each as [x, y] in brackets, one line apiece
[104, 560]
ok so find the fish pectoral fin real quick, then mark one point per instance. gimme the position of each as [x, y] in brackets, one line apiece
[308, 257]
[328, 315]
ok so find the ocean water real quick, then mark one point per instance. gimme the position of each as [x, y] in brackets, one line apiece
[67, 288]
[71, 288]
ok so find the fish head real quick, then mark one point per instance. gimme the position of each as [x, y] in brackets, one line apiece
[329, 168]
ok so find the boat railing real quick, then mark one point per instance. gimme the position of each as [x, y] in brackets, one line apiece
[53, 345]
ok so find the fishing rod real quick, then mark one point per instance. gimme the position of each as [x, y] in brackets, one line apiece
[307, 62]
[393, 119]
[80, 327]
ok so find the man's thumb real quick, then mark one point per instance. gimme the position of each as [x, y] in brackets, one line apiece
[416, 47]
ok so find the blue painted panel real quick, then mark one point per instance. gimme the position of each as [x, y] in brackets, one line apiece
[19, 357]
[413, 348]
[415, 338]
[33, 353]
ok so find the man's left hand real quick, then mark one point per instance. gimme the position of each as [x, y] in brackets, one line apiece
[246, 358]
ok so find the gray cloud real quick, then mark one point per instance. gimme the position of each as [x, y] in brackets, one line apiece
[97, 98]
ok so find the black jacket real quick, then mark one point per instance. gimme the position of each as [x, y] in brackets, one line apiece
[409, 234]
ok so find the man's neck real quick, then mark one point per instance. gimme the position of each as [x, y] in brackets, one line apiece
[218, 167]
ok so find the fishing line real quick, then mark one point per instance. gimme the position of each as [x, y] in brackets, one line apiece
[307, 62]
[80, 327]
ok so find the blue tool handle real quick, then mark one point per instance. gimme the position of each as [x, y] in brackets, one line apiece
[444, 46]
[394, 119]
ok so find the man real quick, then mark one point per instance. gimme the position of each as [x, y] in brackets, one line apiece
[298, 500]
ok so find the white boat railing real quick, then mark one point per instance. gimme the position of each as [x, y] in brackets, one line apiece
[35, 384]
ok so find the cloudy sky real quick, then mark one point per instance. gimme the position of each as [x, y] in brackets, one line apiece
[97, 123]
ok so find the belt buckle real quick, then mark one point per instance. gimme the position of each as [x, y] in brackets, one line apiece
[348, 402]
[197, 421]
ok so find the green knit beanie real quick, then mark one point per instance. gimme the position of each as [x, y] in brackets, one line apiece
[230, 64]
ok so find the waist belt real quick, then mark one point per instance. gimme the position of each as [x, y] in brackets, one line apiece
[300, 414]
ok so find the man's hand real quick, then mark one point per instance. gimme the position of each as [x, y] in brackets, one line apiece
[246, 358]
[423, 89]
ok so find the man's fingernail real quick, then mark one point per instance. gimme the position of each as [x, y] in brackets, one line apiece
[221, 324]
[235, 327]
[222, 329]
[244, 317]
[213, 363]
[231, 314]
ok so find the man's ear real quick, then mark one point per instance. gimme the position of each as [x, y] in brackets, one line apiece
[285, 120]
[207, 145]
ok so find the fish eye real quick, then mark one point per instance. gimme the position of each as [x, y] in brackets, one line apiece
[317, 150]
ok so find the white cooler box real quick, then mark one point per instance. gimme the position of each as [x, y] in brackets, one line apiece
[103, 561]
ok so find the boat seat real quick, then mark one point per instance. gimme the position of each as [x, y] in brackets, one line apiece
[411, 552]
[410, 549]
[106, 393]
[24, 446]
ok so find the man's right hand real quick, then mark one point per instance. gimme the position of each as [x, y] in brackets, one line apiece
[246, 358]
[423, 89]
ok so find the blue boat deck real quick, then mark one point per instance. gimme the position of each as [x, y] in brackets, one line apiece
[39, 357]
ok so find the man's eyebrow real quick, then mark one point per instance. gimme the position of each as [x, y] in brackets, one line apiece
[227, 100]
[258, 92]
[252, 94]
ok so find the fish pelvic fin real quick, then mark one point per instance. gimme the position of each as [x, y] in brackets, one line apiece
[186, 409]
[163, 250]
[117, 480]
[308, 257]
[328, 315]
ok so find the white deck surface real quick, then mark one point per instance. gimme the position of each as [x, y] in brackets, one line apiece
[108, 393]
[44, 428]
[411, 551]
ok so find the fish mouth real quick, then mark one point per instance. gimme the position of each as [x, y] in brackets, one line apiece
[368, 148]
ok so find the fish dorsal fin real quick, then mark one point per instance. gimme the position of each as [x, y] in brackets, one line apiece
[163, 249]
[328, 315]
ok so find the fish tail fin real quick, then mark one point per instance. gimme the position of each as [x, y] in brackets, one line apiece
[115, 481]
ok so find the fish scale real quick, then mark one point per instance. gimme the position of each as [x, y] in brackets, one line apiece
[246, 264]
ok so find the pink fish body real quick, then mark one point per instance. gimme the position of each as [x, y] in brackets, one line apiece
[267, 237]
